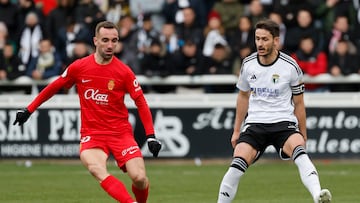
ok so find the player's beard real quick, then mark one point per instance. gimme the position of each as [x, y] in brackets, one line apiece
[106, 56]
[266, 52]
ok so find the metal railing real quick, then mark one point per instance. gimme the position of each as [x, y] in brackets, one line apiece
[206, 80]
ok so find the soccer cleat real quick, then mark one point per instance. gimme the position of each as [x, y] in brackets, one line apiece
[324, 197]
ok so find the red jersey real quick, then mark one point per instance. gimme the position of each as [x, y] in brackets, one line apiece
[101, 90]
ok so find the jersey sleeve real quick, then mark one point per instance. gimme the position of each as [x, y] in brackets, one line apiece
[65, 80]
[47, 93]
[296, 82]
[242, 83]
[136, 93]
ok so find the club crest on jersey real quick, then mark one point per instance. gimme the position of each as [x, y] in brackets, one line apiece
[275, 78]
[111, 84]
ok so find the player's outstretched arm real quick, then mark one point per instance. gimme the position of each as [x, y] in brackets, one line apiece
[23, 115]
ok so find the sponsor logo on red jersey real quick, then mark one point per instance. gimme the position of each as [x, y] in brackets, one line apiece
[96, 96]
[130, 150]
[136, 85]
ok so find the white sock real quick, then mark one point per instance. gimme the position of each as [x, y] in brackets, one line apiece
[309, 175]
[229, 185]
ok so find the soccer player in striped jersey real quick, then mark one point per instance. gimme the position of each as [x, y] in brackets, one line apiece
[102, 81]
[270, 110]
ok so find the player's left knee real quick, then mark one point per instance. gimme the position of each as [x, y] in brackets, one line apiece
[298, 151]
[140, 179]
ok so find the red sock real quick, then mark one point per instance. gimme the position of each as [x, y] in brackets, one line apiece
[141, 195]
[116, 189]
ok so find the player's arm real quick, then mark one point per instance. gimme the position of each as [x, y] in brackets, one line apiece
[242, 104]
[23, 115]
[136, 93]
[145, 114]
[154, 144]
[47, 93]
[300, 113]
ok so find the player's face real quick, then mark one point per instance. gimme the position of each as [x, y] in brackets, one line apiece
[106, 42]
[265, 42]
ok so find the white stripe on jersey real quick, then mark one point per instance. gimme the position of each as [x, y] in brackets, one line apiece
[272, 87]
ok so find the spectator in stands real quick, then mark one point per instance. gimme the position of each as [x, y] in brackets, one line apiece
[157, 63]
[242, 37]
[229, 10]
[24, 8]
[169, 38]
[46, 5]
[145, 35]
[3, 36]
[173, 11]
[312, 61]
[80, 50]
[243, 51]
[277, 18]
[357, 25]
[343, 63]
[328, 10]
[341, 29]
[68, 35]
[47, 65]
[188, 29]
[256, 12]
[30, 37]
[116, 10]
[10, 65]
[57, 18]
[305, 27]
[214, 33]
[217, 64]
[188, 61]
[128, 39]
[289, 10]
[9, 15]
[11, 69]
[88, 14]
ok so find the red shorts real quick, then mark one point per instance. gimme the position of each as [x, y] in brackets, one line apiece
[123, 147]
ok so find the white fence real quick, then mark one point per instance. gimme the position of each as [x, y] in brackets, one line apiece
[207, 79]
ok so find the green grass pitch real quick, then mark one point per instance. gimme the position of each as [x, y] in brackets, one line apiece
[175, 182]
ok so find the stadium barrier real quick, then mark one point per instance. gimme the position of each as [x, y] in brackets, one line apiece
[189, 126]
[203, 80]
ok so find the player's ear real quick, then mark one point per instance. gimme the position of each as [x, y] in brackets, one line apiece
[95, 40]
[277, 41]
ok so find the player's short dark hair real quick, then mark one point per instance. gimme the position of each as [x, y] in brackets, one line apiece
[270, 26]
[107, 25]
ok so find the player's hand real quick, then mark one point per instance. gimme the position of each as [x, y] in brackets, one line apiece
[153, 144]
[22, 116]
[234, 138]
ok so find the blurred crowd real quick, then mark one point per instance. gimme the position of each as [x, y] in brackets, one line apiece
[158, 38]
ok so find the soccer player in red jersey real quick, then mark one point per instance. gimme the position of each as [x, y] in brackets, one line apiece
[102, 81]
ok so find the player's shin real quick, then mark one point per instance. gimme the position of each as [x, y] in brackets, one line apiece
[308, 173]
[140, 194]
[116, 189]
[230, 181]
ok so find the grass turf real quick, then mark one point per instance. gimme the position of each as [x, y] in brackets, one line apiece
[175, 182]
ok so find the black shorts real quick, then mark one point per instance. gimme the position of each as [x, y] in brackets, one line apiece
[261, 135]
